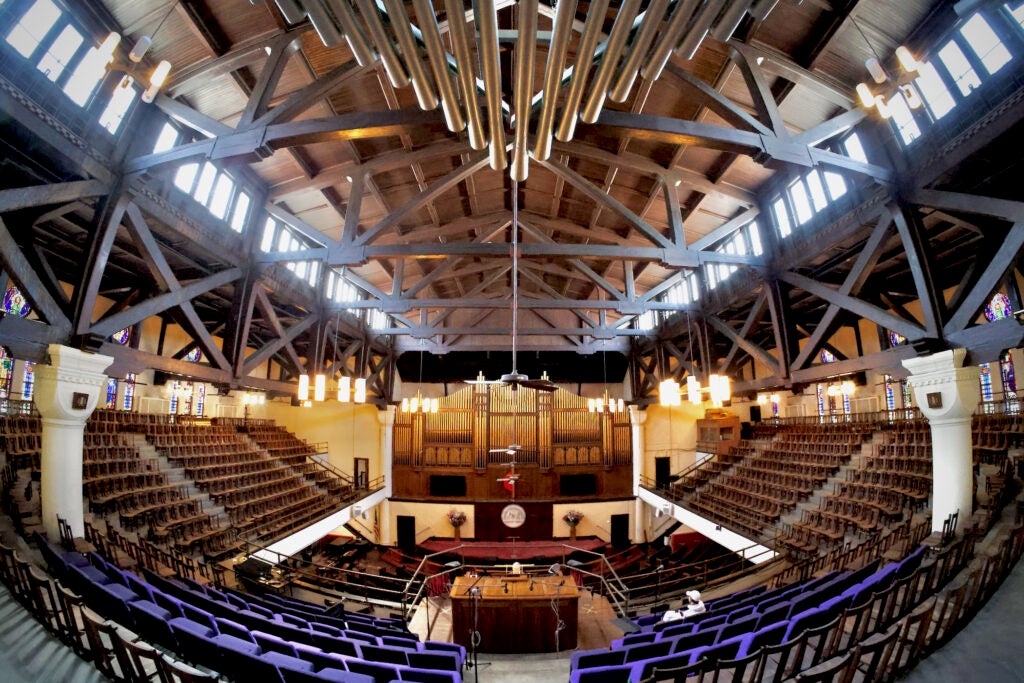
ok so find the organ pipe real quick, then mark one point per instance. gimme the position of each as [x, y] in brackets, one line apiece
[668, 40]
[526, 55]
[392, 64]
[421, 84]
[487, 47]
[652, 20]
[610, 60]
[467, 82]
[431, 35]
[553, 76]
[584, 58]
[353, 32]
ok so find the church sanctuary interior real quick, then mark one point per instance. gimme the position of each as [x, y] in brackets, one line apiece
[599, 341]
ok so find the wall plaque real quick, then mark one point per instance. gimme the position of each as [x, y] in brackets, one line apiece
[513, 516]
[935, 399]
[79, 401]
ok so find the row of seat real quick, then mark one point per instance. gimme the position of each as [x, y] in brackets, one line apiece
[224, 632]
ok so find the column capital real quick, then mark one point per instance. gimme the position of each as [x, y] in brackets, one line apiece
[637, 416]
[387, 416]
[70, 373]
[943, 388]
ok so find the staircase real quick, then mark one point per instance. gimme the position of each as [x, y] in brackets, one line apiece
[176, 475]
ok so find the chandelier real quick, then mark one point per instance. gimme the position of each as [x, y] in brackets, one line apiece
[418, 404]
[345, 388]
[719, 391]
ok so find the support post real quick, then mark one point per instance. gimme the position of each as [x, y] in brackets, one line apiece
[67, 391]
[948, 394]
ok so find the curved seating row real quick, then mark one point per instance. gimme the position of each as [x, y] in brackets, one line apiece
[245, 638]
[739, 626]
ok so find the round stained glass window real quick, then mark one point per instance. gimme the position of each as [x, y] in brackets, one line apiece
[15, 303]
[122, 337]
[827, 356]
[896, 339]
[998, 307]
[195, 355]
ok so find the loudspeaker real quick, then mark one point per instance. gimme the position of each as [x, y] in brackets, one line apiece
[755, 413]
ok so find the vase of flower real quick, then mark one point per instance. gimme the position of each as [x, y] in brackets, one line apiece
[456, 518]
[572, 518]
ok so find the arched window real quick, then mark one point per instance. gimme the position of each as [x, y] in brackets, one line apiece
[827, 356]
[1008, 375]
[129, 391]
[29, 382]
[15, 303]
[896, 339]
[200, 399]
[111, 401]
[194, 356]
[986, 382]
[122, 337]
[998, 308]
[6, 372]
[890, 392]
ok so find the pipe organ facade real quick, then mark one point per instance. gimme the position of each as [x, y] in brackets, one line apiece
[556, 434]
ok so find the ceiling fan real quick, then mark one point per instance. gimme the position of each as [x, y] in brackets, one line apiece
[516, 379]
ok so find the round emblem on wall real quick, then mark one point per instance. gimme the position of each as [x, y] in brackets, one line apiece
[513, 516]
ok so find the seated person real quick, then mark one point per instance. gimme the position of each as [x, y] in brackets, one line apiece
[694, 604]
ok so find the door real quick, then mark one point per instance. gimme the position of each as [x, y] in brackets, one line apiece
[361, 470]
[662, 471]
[406, 534]
[620, 531]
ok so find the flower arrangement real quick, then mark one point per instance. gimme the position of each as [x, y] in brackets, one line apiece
[573, 517]
[456, 518]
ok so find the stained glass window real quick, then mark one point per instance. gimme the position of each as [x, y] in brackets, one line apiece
[1009, 376]
[181, 397]
[827, 356]
[890, 393]
[200, 399]
[896, 339]
[15, 303]
[6, 372]
[908, 394]
[111, 401]
[129, 391]
[29, 382]
[986, 383]
[195, 355]
[821, 400]
[998, 308]
[122, 337]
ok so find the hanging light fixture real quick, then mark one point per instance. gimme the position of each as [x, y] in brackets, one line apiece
[903, 85]
[598, 405]
[419, 404]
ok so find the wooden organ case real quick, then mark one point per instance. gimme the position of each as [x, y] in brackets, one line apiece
[567, 452]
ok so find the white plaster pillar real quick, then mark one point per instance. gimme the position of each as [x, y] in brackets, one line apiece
[386, 418]
[947, 395]
[66, 392]
[637, 418]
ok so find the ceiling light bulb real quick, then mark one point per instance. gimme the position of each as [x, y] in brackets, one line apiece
[110, 44]
[874, 68]
[140, 49]
[320, 387]
[345, 390]
[906, 59]
[360, 396]
[911, 95]
[867, 98]
[883, 107]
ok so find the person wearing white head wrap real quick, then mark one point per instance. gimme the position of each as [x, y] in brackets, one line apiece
[694, 604]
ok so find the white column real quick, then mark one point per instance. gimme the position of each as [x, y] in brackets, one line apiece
[947, 395]
[637, 418]
[66, 392]
[386, 418]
